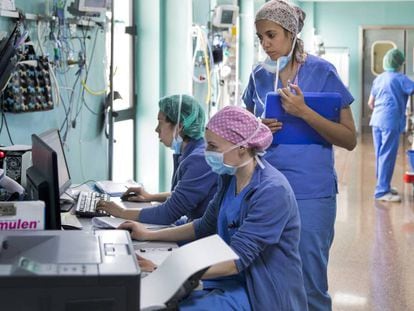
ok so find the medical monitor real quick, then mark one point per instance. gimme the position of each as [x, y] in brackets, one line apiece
[52, 138]
[43, 181]
[225, 15]
[7, 59]
[93, 6]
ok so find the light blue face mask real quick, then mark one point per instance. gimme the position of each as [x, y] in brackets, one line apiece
[274, 66]
[177, 140]
[176, 144]
[216, 161]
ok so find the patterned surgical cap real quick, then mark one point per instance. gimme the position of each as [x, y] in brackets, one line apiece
[237, 125]
[280, 12]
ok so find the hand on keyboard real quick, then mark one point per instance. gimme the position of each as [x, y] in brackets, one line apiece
[110, 208]
[87, 201]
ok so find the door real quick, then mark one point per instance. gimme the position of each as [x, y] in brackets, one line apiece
[376, 42]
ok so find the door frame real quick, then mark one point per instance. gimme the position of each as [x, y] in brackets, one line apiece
[362, 29]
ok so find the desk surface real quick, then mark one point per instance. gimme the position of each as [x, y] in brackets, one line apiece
[153, 250]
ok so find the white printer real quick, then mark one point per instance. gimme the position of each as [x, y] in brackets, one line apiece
[68, 270]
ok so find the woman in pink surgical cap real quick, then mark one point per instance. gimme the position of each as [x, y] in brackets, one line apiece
[255, 212]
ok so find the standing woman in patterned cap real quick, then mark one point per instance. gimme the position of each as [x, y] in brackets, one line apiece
[262, 230]
[309, 168]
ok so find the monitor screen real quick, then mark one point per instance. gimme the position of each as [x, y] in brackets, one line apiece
[227, 17]
[7, 59]
[92, 5]
[52, 138]
[43, 181]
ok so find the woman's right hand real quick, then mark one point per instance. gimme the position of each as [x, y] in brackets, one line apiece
[136, 194]
[273, 124]
[110, 207]
[146, 265]
[136, 229]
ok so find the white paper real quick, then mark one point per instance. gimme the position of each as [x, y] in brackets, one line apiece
[114, 222]
[156, 255]
[115, 188]
[160, 286]
[70, 220]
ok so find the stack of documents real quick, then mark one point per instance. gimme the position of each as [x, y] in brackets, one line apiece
[115, 222]
[162, 285]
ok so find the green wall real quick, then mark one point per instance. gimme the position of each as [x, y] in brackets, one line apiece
[339, 24]
[86, 146]
[163, 54]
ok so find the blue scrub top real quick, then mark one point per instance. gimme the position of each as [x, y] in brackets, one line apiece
[229, 216]
[228, 223]
[266, 224]
[308, 168]
[193, 186]
[391, 91]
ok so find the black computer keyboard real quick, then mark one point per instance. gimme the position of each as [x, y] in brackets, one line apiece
[86, 205]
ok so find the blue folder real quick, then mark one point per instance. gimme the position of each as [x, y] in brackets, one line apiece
[295, 130]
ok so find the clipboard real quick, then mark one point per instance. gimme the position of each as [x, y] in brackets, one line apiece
[295, 130]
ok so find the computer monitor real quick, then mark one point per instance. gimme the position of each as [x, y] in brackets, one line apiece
[92, 6]
[225, 16]
[7, 59]
[52, 138]
[43, 181]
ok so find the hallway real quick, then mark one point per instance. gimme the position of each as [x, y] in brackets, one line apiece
[372, 257]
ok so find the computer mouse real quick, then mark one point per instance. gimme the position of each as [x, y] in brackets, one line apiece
[126, 197]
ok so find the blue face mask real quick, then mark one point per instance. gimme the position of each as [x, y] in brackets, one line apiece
[216, 162]
[176, 144]
[272, 66]
[177, 140]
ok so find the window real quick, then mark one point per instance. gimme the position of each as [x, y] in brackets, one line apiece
[123, 105]
[378, 50]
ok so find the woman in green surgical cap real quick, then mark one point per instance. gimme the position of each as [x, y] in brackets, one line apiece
[181, 123]
[388, 99]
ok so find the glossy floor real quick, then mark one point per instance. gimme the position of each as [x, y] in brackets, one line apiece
[372, 257]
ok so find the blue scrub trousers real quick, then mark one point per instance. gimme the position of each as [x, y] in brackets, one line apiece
[386, 144]
[225, 296]
[317, 233]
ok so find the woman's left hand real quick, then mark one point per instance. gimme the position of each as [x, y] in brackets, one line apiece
[293, 104]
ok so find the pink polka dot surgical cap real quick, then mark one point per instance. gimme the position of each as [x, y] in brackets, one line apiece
[240, 127]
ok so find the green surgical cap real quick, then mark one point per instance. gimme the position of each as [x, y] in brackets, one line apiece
[192, 115]
[393, 60]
